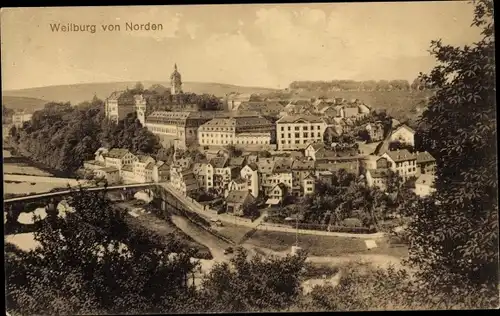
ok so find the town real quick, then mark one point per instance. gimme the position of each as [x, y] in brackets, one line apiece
[282, 158]
[309, 141]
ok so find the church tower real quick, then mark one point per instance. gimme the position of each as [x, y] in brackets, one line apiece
[175, 82]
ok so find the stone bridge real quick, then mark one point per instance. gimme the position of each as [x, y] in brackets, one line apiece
[163, 200]
[50, 201]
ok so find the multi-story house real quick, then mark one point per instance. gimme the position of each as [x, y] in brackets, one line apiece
[308, 185]
[277, 194]
[265, 169]
[377, 178]
[204, 173]
[177, 128]
[351, 111]
[281, 173]
[424, 185]
[237, 200]
[161, 172]
[403, 134]
[110, 174]
[238, 184]
[238, 131]
[184, 181]
[301, 170]
[222, 173]
[143, 168]
[121, 103]
[297, 132]
[426, 164]
[118, 158]
[127, 174]
[250, 172]
[19, 118]
[376, 131]
[401, 162]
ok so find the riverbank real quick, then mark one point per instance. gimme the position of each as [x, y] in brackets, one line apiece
[19, 156]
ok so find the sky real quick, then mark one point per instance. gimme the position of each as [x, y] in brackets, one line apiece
[252, 45]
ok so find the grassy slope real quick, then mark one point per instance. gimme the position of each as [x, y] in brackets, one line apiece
[81, 92]
[22, 102]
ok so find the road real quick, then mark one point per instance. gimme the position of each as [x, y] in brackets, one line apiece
[214, 244]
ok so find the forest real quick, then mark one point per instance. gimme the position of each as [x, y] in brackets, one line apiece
[62, 136]
[370, 85]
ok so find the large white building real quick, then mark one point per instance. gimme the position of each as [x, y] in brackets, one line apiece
[177, 128]
[297, 132]
[239, 131]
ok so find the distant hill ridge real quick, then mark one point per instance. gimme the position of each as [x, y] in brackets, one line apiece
[77, 93]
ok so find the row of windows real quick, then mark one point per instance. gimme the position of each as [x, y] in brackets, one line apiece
[304, 135]
[304, 128]
[238, 142]
[217, 135]
[298, 141]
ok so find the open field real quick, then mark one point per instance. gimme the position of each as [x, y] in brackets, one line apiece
[77, 93]
[323, 245]
[23, 103]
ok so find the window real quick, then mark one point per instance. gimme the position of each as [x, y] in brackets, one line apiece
[289, 128]
[282, 135]
[297, 141]
[306, 134]
[305, 128]
[297, 128]
[282, 128]
[289, 135]
[297, 135]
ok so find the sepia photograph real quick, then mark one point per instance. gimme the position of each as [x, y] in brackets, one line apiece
[230, 158]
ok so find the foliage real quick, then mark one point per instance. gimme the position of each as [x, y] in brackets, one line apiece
[91, 262]
[397, 145]
[454, 235]
[7, 114]
[363, 287]
[251, 210]
[246, 285]
[62, 137]
[351, 85]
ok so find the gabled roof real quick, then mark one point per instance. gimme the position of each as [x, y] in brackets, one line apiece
[144, 158]
[281, 186]
[237, 161]
[405, 127]
[109, 169]
[265, 165]
[237, 196]
[117, 153]
[128, 168]
[253, 166]
[219, 162]
[424, 156]
[401, 155]
[316, 146]
[101, 151]
[302, 165]
[282, 165]
[150, 166]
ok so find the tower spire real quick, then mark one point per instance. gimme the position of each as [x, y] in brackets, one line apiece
[175, 66]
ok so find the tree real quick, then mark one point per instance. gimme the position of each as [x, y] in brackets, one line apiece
[454, 236]
[329, 136]
[92, 262]
[246, 285]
